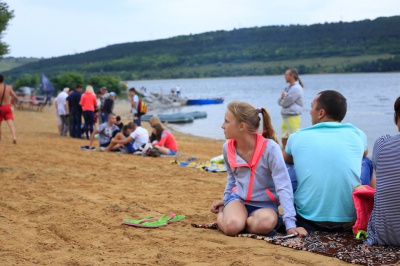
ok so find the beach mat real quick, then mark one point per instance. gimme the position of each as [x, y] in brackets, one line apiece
[208, 166]
[339, 245]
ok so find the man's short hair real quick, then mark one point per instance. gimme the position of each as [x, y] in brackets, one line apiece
[111, 114]
[79, 86]
[334, 104]
[132, 89]
[396, 110]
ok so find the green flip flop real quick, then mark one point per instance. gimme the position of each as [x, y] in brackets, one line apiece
[147, 222]
[139, 222]
[171, 218]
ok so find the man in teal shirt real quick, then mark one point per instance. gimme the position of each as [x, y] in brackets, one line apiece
[327, 161]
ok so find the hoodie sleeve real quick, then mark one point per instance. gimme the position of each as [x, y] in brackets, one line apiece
[230, 182]
[283, 185]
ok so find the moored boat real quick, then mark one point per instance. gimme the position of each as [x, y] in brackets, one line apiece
[177, 117]
[204, 101]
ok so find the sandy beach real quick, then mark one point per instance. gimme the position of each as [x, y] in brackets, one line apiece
[61, 205]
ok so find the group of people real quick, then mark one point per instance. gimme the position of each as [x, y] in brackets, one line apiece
[112, 134]
[312, 176]
[134, 139]
[72, 105]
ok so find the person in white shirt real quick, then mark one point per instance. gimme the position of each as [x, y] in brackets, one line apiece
[134, 101]
[61, 102]
[130, 140]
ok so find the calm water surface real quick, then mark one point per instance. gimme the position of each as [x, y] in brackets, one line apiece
[370, 99]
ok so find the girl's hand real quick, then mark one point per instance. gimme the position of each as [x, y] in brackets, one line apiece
[215, 207]
[299, 230]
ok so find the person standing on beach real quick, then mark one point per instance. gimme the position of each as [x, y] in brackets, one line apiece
[75, 111]
[102, 118]
[327, 159]
[88, 102]
[258, 181]
[291, 101]
[134, 101]
[108, 105]
[61, 107]
[48, 97]
[6, 92]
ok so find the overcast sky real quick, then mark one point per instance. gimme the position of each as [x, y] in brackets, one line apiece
[51, 28]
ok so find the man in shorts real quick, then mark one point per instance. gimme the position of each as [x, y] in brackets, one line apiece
[6, 92]
[106, 131]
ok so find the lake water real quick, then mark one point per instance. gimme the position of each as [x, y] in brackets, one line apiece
[370, 99]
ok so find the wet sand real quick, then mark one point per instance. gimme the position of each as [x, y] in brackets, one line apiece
[60, 205]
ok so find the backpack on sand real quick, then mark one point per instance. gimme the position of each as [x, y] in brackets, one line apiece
[363, 197]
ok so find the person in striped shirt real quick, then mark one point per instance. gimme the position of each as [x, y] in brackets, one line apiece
[384, 222]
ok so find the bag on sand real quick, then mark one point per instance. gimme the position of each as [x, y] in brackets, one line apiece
[145, 149]
[154, 152]
[363, 197]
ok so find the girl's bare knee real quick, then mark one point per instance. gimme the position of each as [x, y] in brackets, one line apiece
[233, 226]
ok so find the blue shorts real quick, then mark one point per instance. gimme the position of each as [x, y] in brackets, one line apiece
[171, 152]
[129, 147]
[105, 144]
[250, 209]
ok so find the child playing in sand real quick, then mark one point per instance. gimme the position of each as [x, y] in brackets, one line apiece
[258, 180]
[132, 138]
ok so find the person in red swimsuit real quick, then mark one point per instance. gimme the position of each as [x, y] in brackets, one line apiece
[7, 96]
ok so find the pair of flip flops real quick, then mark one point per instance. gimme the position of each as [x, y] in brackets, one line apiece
[154, 222]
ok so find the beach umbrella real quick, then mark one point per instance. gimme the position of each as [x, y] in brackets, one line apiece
[46, 85]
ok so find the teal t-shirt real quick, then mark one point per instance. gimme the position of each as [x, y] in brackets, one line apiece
[327, 161]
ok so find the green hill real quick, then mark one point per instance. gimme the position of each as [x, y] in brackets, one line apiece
[368, 45]
[8, 63]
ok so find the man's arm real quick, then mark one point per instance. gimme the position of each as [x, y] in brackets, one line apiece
[288, 158]
[123, 141]
[92, 137]
[290, 97]
[13, 95]
[132, 102]
[67, 107]
[365, 152]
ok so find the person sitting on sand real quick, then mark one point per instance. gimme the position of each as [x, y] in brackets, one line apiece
[106, 131]
[153, 121]
[383, 226]
[327, 160]
[130, 140]
[257, 177]
[119, 123]
[166, 142]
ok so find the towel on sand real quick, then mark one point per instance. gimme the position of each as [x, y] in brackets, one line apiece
[339, 245]
[208, 166]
